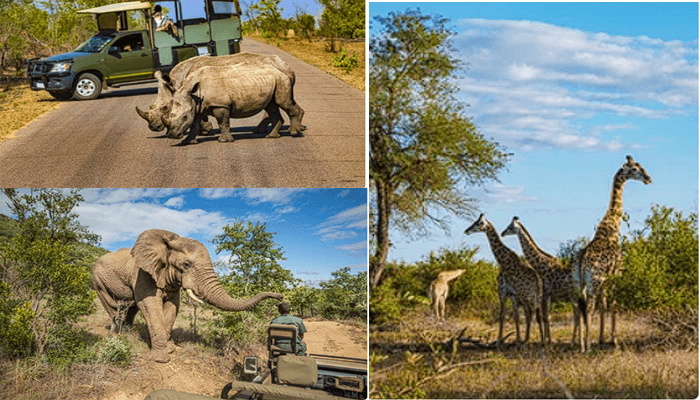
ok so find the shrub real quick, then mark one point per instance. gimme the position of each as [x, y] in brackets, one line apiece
[344, 61]
[115, 350]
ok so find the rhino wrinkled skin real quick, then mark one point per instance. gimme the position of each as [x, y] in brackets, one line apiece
[237, 91]
[168, 84]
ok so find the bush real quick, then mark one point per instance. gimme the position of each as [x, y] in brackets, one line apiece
[660, 263]
[115, 350]
[344, 61]
[405, 286]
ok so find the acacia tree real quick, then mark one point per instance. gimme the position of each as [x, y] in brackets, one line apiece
[422, 146]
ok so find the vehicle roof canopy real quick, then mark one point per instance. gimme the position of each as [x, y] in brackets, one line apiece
[117, 7]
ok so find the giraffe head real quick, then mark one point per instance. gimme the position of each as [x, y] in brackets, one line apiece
[479, 226]
[634, 170]
[513, 228]
[450, 275]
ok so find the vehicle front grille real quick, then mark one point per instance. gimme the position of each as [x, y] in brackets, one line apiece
[36, 67]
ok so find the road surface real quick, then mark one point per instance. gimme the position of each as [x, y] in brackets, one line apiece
[104, 143]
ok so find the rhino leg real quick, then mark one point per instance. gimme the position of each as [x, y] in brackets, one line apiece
[295, 126]
[194, 131]
[285, 100]
[262, 126]
[276, 119]
[223, 116]
[205, 126]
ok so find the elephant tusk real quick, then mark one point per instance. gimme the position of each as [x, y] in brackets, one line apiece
[193, 296]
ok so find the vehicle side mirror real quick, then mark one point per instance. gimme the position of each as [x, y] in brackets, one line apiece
[113, 49]
[250, 365]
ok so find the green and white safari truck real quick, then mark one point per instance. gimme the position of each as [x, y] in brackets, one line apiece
[128, 48]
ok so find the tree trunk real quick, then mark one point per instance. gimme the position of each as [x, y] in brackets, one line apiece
[382, 251]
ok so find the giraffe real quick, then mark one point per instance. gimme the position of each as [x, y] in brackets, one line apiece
[558, 282]
[439, 289]
[516, 280]
[602, 257]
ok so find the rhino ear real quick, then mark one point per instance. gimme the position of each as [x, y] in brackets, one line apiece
[194, 92]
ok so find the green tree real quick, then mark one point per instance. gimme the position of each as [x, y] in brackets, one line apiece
[422, 146]
[269, 16]
[342, 19]
[345, 295]
[252, 267]
[660, 262]
[304, 298]
[46, 274]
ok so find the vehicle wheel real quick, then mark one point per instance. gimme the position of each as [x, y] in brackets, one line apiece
[225, 390]
[87, 87]
[61, 95]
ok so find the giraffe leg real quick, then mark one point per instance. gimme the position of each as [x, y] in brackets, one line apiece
[545, 317]
[603, 308]
[517, 321]
[577, 323]
[500, 323]
[528, 321]
[540, 324]
[441, 308]
[613, 311]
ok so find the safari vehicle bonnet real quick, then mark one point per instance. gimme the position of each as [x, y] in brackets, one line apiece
[129, 49]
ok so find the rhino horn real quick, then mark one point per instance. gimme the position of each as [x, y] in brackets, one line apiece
[143, 114]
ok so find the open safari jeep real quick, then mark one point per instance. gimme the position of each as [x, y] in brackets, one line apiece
[288, 376]
[128, 48]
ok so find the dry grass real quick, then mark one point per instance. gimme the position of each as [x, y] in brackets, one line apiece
[413, 362]
[315, 52]
[19, 105]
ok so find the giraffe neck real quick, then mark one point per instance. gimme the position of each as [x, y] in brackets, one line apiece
[536, 256]
[609, 226]
[504, 256]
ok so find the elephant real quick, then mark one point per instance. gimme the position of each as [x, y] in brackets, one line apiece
[237, 91]
[169, 83]
[149, 277]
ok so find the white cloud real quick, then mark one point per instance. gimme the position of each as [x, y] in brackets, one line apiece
[254, 196]
[532, 84]
[344, 225]
[116, 222]
[355, 248]
[501, 194]
[106, 196]
[175, 202]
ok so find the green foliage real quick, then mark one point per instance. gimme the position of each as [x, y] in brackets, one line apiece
[342, 60]
[305, 25]
[342, 18]
[423, 148]
[660, 262]
[268, 16]
[345, 295]
[568, 251]
[115, 350]
[406, 286]
[46, 275]
[253, 267]
[303, 299]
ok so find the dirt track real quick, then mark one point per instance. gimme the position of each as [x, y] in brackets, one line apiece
[103, 143]
[335, 338]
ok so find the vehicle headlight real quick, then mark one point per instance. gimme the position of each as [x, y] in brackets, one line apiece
[61, 67]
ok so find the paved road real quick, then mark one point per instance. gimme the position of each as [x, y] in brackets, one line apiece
[104, 143]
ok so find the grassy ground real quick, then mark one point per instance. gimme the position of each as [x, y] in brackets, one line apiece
[315, 52]
[19, 105]
[414, 360]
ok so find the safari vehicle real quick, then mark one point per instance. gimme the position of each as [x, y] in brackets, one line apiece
[129, 49]
[288, 376]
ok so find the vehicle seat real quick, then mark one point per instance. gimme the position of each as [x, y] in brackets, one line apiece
[276, 332]
[296, 370]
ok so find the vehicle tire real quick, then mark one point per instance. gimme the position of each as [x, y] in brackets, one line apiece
[61, 95]
[87, 87]
[225, 390]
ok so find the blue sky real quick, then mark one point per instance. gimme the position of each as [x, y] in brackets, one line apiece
[320, 231]
[570, 89]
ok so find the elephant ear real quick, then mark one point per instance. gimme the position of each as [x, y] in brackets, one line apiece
[150, 253]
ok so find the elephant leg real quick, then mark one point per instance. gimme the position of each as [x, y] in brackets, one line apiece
[223, 117]
[152, 309]
[130, 315]
[110, 307]
[170, 309]
[274, 112]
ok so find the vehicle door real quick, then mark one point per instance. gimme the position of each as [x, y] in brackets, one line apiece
[129, 58]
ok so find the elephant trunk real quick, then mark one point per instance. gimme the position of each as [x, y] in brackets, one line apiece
[213, 293]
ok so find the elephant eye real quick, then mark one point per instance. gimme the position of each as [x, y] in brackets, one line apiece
[186, 265]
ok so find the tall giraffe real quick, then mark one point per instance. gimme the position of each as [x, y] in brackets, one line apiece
[558, 282]
[439, 289]
[516, 280]
[602, 257]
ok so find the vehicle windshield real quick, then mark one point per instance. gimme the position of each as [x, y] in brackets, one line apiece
[96, 43]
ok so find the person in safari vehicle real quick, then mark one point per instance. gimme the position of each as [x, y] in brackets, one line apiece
[286, 319]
